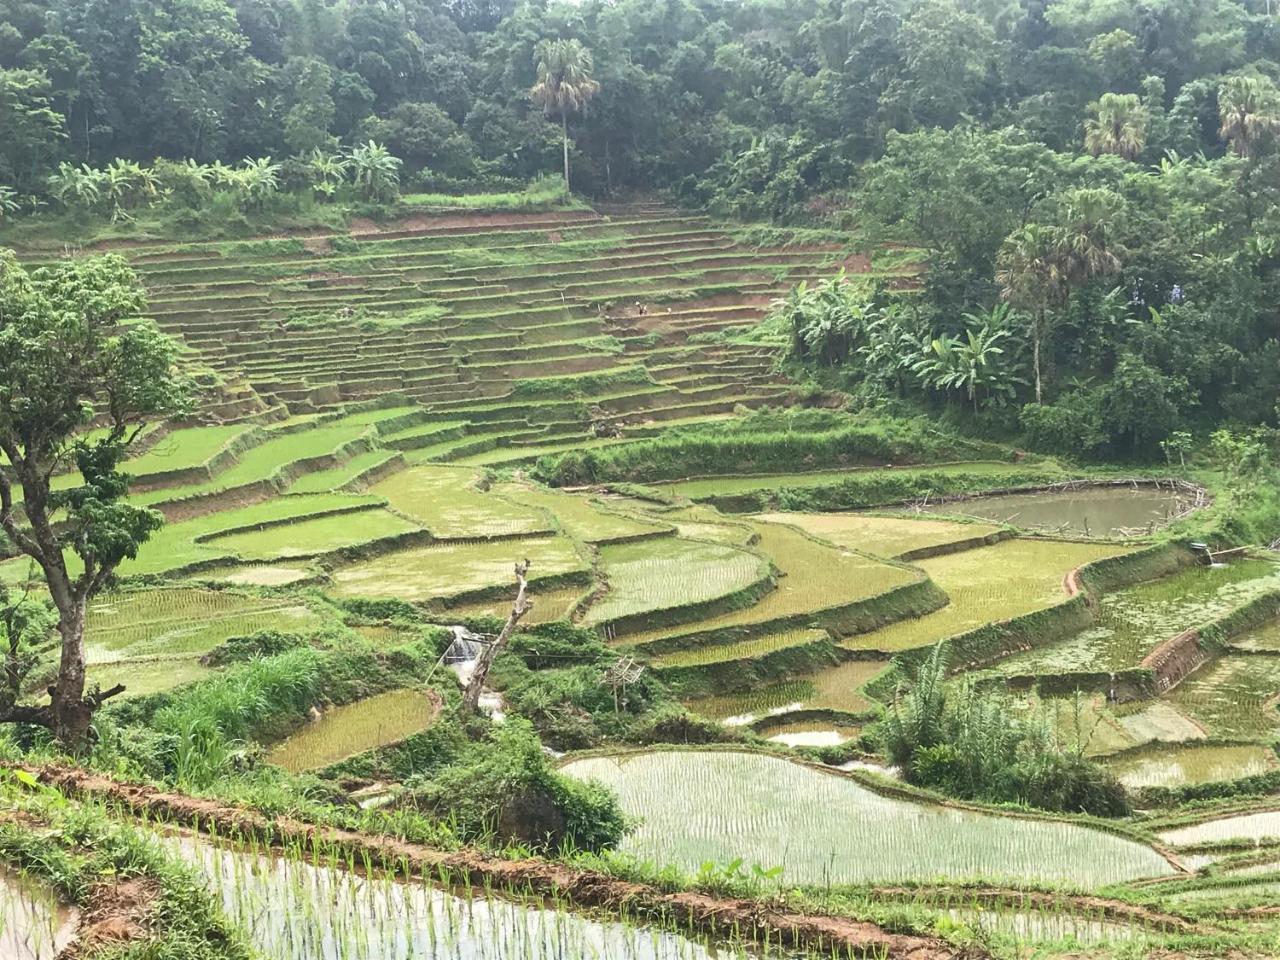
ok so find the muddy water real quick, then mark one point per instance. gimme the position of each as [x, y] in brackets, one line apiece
[810, 733]
[33, 924]
[296, 910]
[1091, 511]
[364, 725]
[1168, 766]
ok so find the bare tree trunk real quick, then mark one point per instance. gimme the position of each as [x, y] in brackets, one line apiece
[564, 128]
[521, 606]
[1035, 358]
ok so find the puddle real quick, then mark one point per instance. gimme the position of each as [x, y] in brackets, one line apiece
[820, 827]
[1169, 766]
[354, 728]
[33, 924]
[295, 910]
[1089, 511]
[836, 689]
[815, 733]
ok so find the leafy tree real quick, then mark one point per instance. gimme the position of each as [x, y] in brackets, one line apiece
[26, 622]
[565, 84]
[983, 363]
[72, 353]
[1119, 126]
[1249, 108]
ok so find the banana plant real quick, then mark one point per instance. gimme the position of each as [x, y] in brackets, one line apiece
[77, 187]
[375, 172]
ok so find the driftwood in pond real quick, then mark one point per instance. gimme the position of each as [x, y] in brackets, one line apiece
[521, 606]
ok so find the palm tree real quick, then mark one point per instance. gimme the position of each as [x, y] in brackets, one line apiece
[1086, 250]
[1247, 107]
[375, 172]
[1119, 127]
[1029, 271]
[564, 84]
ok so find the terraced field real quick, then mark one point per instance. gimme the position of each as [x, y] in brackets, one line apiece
[360, 476]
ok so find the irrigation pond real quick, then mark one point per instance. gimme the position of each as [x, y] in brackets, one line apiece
[1108, 511]
[823, 827]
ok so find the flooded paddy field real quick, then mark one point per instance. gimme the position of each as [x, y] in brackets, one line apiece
[1134, 621]
[1103, 511]
[1171, 766]
[820, 827]
[299, 909]
[345, 731]
[34, 924]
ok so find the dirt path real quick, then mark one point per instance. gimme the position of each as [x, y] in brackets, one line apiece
[115, 915]
[714, 915]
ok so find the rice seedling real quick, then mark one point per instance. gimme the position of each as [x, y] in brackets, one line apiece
[988, 584]
[699, 806]
[186, 448]
[314, 536]
[1232, 697]
[1247, 826]
[335, 478]
[580, 517]
[742, 650]
[652, 575]
[143, 677]
[814, 577]
[354, 728]
[838, 688]
[882, 536]
[314, 903]
[182, 622]
[34, 925]
[550, 603]
[257, 575]
[1090, 511]
[1042, 926]
[448, 569]
[1130, 623]
[446, 501]
[1167, 766]
[730, 485]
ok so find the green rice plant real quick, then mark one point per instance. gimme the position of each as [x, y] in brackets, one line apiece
[742, 650]
[882, 536]
[837, 688]
[340, 476]
[354, 728]
[451, 569]
[448, 503]
[652, 575]
[1232, 697]
[813, 577]
[315, 536]
[581, 517]
[183, 622]
[185, 448]
[823, 828]
[1130, 623]
[1176, 766]
[986, 585]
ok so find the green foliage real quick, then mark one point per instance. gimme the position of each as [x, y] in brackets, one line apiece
[972, 743]
[763, 443]
[505, 785]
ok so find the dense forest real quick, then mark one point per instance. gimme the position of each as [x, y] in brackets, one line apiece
[1094, 182]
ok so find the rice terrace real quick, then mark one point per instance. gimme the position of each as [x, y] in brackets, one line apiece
[548, 481]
